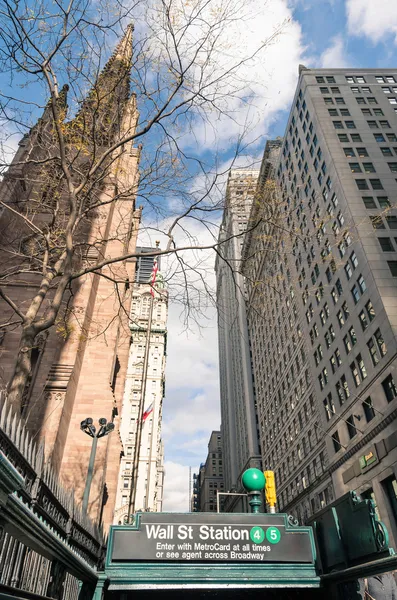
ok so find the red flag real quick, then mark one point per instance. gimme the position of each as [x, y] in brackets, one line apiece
[153, 276]
[147, 412]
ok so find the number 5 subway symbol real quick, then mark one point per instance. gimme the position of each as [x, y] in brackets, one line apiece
[273, 535]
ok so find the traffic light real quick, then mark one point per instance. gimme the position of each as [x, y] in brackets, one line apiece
[270, 490]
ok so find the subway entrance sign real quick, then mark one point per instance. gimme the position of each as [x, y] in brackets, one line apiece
[205, 551]
[215, 538]
[208, 552]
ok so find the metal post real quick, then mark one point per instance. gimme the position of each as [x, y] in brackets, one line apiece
[89, 428]
[138, 436]
[90, 474]
[255, 502]
[226, 494]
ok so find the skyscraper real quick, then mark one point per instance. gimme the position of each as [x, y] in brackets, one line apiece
[239, 426]
[141, 475]
[78, 366]
[336, 271]
[210, 477]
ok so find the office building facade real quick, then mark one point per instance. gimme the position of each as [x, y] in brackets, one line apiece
[141, 475]
[290, 433]
[210, 477]
[238, 414]
[337, 202]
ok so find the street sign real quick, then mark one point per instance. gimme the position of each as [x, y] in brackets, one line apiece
[216, 538]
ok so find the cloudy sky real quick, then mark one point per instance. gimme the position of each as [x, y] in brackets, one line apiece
[319, 33]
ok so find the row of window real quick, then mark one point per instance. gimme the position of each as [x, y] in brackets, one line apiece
[344, 112]
[357, 79]
[390, 390]
[381, 124]
[378, 222]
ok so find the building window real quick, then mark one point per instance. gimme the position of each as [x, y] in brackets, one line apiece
[384, 202]
[370, 310]
[386, 151]
[356, 137]
[355, 167]
[392, 222]
[393, 267]
[362, 284]
[379, 137]
[380, 342]
[353, 337]
[369, 167]
[355, 374]
[351, 428]
[389, 387]
[338, 124]
[368, 409]
[329, 407]
[369, 202]
[362, 184]
[347, 344]
[377, 222]
[376, 184]
[349, 152]
[372, 351]
[361, 366]
[343, 138]
[386, 244]
[362, 152]
[348, 271]
[350, 125]
[363, 320]
[336, 441]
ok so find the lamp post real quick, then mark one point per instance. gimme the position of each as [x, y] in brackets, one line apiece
[254, 481]
[89, 428]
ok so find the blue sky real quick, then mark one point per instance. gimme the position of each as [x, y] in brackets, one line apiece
[334, 33]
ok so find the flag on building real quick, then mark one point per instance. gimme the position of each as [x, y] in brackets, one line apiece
[147, 412]
[153, 276]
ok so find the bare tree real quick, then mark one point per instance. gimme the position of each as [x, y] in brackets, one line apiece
[72, 166]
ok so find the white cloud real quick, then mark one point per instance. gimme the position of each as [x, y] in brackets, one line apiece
[270, 77]
[334, 56]
[372, 18]
[176, 488]
[244, 53]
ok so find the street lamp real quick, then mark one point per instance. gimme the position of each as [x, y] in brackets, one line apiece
[89, 428]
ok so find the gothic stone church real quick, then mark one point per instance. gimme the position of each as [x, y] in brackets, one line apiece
[77, 366]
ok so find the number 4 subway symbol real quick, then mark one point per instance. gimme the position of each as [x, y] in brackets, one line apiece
[257, 535]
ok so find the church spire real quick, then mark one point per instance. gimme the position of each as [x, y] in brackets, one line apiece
[107, 98]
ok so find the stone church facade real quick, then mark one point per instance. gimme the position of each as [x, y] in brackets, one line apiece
[78, 365]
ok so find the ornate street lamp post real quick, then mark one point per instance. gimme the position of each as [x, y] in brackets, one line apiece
[90, 429]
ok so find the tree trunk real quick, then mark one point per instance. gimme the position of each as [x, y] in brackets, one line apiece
[20, 377]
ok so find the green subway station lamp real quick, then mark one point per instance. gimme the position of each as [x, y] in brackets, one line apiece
[254, 481]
